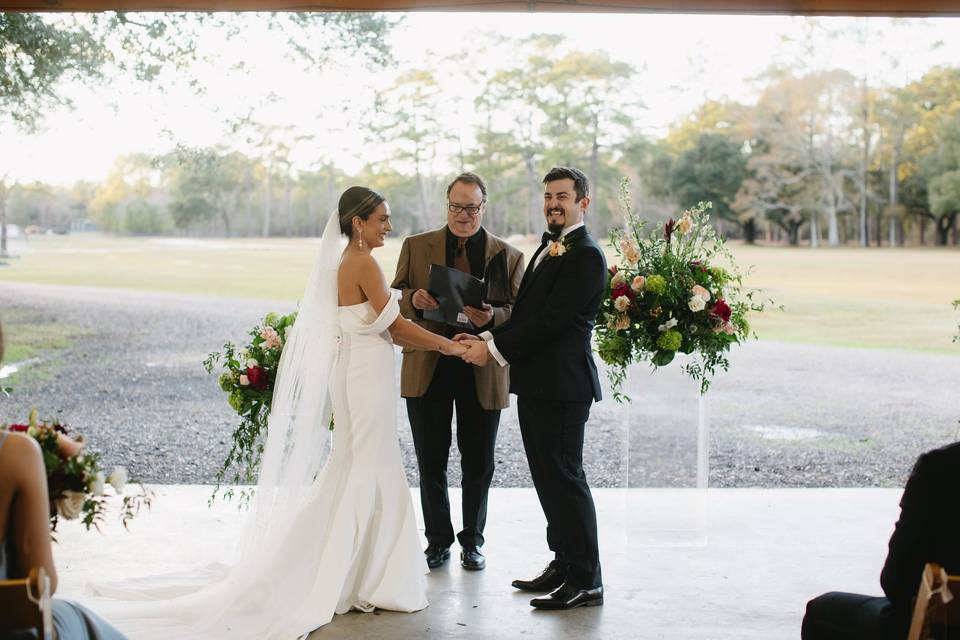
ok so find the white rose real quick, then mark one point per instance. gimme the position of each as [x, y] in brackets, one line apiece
[71, 504]
[618, 279]
[669, 324]
[96, 488]
[622, 303]
[251, 363]
[118, 479]
[697, 304]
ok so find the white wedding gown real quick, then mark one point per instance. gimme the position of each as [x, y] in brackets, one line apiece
[352, 544]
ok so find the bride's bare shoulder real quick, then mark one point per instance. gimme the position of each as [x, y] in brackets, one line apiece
[357, 263]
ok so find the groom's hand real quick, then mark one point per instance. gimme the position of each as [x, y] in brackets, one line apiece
[424, 301]
[479, 317]
[477, 353]
[460, 337]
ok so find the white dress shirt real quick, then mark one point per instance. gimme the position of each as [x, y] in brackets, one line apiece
[486, 335]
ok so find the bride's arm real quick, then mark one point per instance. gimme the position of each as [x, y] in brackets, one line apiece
[403, 332]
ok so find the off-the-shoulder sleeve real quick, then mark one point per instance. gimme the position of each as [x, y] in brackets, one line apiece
[386, 317]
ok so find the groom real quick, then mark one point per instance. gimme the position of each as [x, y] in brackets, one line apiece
[546, 342]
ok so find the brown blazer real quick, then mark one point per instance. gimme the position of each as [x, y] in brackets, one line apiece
[413, 272]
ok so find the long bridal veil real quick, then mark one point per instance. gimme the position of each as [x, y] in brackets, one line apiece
[261, 594]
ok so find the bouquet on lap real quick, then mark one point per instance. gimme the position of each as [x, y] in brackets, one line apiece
[669, 294]
[75, 482]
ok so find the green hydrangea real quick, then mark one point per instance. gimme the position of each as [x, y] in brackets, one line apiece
[271, 319]
[670, 340]
[226, 382]
[236, 400]
[720, 276]
[656, 284]
[615, 349]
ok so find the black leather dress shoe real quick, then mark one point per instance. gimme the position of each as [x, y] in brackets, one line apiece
[569, 597]
[472, 560]
[436, 555]
[550, 579]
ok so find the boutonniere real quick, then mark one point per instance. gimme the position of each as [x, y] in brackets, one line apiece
[559, 247]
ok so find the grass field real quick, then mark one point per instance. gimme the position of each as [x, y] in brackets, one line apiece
[885, 298]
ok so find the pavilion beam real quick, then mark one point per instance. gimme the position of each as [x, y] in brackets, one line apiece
[898, 8]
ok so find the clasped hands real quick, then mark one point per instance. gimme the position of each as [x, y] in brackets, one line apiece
[471, 348]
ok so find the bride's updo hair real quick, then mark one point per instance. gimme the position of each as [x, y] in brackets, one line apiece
[357, 201]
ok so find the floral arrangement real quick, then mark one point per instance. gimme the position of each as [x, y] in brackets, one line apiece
[75, 483]
[248, 377]
[669, 294]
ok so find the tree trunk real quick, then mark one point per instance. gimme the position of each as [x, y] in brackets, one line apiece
[267, 205]
[594, 172]
[944, 226]
[750, 231]
[3, 220]
[815, 232]
[288, 205]
[536, 195]
[864, 165]
[794, 232]
[894, 187]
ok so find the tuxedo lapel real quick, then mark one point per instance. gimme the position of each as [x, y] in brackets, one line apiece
[528, 274]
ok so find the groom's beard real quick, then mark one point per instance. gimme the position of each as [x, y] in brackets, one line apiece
[554, 225]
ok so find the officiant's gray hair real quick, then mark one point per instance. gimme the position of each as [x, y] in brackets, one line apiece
[357, 201]
[469, 178]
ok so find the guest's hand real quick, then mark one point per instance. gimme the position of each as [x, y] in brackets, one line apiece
[478, 353]
[479, 317]
[460, 337]
[424, 301]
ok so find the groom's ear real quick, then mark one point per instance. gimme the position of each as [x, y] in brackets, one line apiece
[584, 203]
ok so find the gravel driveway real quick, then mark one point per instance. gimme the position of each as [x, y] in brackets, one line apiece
[786, 415]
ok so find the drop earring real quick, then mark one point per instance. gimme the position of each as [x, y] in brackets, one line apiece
[359, 240]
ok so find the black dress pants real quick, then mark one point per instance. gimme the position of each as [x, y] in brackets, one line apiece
[453, 386]
[553, 439]
[851, 616]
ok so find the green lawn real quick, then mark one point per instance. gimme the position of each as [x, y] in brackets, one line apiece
[897, 298]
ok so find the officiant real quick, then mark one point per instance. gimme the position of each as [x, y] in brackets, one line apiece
[435, 385]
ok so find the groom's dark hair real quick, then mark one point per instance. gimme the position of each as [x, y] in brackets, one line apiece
[580, 184]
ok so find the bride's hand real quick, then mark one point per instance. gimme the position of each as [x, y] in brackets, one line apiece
[453, 349]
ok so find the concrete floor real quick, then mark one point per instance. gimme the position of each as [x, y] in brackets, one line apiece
[684, 564]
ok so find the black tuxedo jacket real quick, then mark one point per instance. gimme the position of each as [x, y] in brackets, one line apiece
[929, 526]
[546, 341]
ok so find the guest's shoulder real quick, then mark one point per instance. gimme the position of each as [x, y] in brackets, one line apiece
[944, 458]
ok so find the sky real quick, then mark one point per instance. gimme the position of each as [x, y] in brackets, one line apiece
[682, 60]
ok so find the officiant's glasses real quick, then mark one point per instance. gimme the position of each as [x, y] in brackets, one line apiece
[471, 210]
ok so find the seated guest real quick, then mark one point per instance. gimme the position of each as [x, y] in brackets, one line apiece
[928, 531]
[25, 532]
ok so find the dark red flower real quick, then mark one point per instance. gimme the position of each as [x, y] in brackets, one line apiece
[697, 265]
[19, 427]
[721, 310]
[623, 290]
[258, 378]
[668, 228]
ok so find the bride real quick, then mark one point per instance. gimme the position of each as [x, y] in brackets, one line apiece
[332, 526]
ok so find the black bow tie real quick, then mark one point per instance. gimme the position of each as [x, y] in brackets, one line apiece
[547, 236]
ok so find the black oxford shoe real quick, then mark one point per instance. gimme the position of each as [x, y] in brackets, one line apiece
[472, 560]
[549, 580]
[569, 597]
[436, 555]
